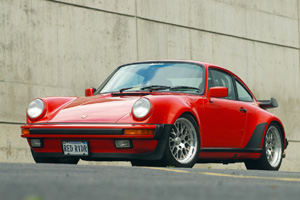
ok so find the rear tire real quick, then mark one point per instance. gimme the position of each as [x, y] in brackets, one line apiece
[271, 156]
[63, 160]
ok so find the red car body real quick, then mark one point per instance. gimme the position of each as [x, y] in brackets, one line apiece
[229, 130]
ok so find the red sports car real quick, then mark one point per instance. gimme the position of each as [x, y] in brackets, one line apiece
[159, 113]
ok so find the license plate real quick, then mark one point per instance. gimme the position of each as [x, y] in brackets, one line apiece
[75, 148]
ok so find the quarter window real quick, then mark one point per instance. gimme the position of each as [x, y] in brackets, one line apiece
[243, 94]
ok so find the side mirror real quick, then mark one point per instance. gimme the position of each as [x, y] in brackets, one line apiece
[217, 92]
[89, 92]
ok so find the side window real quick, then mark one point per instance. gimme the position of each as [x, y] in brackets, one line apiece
[243, 94]
[218, 78]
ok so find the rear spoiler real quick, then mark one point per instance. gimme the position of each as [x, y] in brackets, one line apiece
[266, 104]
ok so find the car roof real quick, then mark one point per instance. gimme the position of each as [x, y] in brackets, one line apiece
[205, 64]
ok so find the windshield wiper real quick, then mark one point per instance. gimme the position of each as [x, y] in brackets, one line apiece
[155, 87]
[184, 88]
[123, 89]
[162, 87]
[150, 87]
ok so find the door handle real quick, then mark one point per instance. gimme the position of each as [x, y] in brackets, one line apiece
[244, 110]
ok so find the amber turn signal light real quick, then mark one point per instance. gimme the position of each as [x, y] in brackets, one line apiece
[139, 132]
[25, 131]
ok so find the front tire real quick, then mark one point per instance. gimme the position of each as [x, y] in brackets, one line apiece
[183, 143]
[271, 157]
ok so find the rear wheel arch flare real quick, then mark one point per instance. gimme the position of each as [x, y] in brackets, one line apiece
[271, 157]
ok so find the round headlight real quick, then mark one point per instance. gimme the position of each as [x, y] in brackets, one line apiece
[35, 108]
[141, 108]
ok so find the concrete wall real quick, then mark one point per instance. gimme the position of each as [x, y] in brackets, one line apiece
[59, 48]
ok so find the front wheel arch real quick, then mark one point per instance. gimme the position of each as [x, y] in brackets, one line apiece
[170, 158]
[197, 122]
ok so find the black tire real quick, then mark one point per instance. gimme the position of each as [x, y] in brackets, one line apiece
[63, 160]
[178, 143]
[169, 159]
[271, 157]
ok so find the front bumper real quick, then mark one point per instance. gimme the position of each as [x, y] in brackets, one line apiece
[100, 139]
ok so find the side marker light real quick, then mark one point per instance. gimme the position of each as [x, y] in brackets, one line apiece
[139, 131]
[25, 131]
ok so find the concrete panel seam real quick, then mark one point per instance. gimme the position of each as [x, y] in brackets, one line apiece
[172, 24]
[217, 33]
[90, 8]
[296, 141]
[298, 27]
[249, 8]
[12, 123]
[36, 84]
[136, 32]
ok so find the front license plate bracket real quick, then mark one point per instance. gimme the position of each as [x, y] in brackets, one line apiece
[75, 148]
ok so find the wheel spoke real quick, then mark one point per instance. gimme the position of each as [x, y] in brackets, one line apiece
[182, 140]
[273, 146]
[173, 133]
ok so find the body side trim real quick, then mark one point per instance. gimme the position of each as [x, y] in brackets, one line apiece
[37, 131]
[231, 150]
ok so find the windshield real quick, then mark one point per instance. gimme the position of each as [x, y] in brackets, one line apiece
[172, 76]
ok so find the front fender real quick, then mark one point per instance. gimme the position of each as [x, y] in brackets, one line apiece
[53, 104]
[168, 109]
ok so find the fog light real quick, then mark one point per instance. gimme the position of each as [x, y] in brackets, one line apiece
[36, 142]
[121, 144]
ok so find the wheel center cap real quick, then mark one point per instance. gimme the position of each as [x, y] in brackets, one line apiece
[177, 141]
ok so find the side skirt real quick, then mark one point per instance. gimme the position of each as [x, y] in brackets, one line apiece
[230, 150]
[253, 147]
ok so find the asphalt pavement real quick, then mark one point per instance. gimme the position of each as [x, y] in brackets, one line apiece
[82, 182]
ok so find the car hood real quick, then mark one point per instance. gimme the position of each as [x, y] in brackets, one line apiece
[100, 109]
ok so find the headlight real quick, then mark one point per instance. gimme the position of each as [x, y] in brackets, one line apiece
[141, 108]
[35, 108]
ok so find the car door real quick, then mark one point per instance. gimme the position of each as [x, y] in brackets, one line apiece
[247, 102]
[225, 118]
